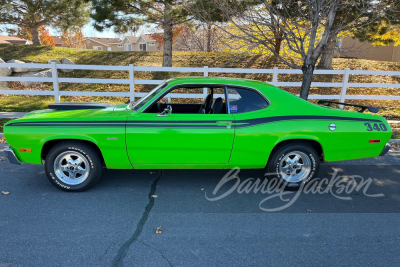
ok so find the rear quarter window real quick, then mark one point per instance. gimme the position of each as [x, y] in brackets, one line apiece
[245, 100]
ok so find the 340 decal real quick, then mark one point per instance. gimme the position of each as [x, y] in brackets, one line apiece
[376, 127]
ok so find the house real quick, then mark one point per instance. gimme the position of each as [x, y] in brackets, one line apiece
[143, 42]
[6, 39]
[353, 48]
[59, 42]
[105, 44]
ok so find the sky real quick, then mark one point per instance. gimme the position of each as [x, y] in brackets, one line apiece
[90, 31]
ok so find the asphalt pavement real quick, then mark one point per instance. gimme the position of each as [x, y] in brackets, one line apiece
[114, 224]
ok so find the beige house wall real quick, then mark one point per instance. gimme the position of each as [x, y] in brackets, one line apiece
[363, 50]
[90, 44]
[115, 47]
[127, 42]
[152, 48]
[135, 45]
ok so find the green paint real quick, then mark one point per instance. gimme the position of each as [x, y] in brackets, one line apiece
[132, 139]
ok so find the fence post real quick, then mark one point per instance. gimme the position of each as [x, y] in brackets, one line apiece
[54, 75]
[131, 83]
[275, 76]
[344, 86]
[205, 75]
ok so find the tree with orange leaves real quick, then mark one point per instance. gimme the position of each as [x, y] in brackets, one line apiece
[45, 37]
[24, 33]
[74, 38]
[177, 31]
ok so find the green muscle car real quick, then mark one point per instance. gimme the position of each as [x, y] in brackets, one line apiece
[195, 123]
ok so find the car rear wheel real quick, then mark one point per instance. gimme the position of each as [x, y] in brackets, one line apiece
[73, 166]
[295, 164]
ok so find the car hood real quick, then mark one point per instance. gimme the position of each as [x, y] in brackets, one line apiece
[81, 114]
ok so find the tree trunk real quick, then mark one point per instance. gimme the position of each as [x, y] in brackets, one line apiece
[308, 71]
[278, 42]
[327, 55]
[208, 49]
[167, 52]
[35, 36]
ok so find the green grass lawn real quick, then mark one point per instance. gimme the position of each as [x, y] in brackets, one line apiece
[41, 54]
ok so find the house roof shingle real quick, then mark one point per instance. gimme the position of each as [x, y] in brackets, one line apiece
[132, 38]
[6, 39]
[147, 37]
[58, 40]
[105, 41]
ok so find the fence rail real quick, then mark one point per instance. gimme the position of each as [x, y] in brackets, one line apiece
[205, 70]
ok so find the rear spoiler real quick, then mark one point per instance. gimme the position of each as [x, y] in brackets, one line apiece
[363, 108]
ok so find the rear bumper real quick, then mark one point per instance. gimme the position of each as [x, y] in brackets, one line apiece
[10, 155]
[385, 150]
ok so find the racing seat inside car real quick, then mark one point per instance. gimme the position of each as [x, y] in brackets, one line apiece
[216, 106]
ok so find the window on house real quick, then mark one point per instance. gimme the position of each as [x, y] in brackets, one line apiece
[108, 48]
[97, 48]
[152, 44]
[142, 47]
[128, 47]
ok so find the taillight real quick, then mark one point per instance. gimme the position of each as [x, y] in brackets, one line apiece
[375, 141]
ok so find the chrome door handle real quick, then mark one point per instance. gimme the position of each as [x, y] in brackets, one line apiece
[227, 123]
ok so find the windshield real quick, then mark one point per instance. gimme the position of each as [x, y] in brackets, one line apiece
[143, 101]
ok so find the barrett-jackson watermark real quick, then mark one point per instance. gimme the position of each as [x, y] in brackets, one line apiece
[337, 186]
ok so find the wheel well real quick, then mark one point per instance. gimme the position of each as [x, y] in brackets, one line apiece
[49, 144]
[314, 144]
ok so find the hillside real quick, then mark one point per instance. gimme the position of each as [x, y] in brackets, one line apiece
[389, 109]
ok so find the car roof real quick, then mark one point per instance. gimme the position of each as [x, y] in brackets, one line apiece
[267, 89]
[220, 80]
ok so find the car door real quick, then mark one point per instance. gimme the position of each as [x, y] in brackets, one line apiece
[254, 138]
[179, 138]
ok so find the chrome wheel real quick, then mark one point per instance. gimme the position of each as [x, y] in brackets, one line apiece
[71, 167]
[295, 167]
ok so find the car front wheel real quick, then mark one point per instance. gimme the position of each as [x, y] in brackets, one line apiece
[294, 164]
[73, 166]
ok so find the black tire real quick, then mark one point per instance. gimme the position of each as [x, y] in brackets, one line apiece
[277, 160]
[78, 152]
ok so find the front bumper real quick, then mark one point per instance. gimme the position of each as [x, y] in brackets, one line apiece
[385, 150]
[10, 155]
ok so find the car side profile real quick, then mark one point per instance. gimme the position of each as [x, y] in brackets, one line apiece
[195, 123]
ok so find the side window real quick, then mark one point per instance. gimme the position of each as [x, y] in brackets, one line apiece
[183, 96]
[192, 100]
[244, 100]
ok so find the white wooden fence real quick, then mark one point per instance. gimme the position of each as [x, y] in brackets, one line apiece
[205, 70]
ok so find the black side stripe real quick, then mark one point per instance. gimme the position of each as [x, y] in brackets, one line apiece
[181, 124]
[253, 122]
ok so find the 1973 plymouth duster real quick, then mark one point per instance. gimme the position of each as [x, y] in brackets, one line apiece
[228, 123]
